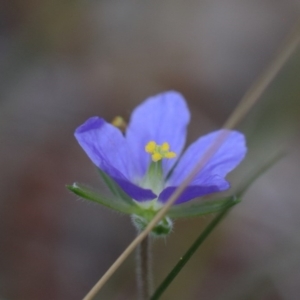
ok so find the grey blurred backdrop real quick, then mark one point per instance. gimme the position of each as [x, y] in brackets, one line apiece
[64, 61]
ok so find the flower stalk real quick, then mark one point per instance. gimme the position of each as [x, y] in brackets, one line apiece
[144, 269]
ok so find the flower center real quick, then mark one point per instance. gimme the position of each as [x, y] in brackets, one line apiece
[159, 152]
[154, 179]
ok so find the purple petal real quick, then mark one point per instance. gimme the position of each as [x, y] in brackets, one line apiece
[227, 157]
[212, 185]
[107, 148]
[161, 118]
[134, 191]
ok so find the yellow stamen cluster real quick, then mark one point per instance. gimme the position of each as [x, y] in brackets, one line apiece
[159, 152]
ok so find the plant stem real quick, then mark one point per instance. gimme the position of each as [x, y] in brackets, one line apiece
[144, 269]
[186, 257]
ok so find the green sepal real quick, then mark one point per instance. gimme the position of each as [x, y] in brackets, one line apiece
[115, 189]
[161, 229]
[88, 194]
[200, 209]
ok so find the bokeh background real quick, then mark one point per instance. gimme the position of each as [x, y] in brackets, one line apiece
[64, 61]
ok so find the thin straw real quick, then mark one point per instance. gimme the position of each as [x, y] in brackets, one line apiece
[247, 102]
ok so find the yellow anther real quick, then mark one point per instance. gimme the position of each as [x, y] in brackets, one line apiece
[156, 156]
[159, 152]
[119, 122]
[170, 155]
[150, 147]
[165, 147]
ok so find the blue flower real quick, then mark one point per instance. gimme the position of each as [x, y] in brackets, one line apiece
[146, 162]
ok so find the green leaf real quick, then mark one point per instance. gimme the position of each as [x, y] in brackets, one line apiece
[114, 188]
[200, 209]
[88, 194]
[198, 242]
[208, 207]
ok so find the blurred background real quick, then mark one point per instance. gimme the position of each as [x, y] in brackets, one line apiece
[64, 61]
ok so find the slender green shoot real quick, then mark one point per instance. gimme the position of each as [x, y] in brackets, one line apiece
[199, 241]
